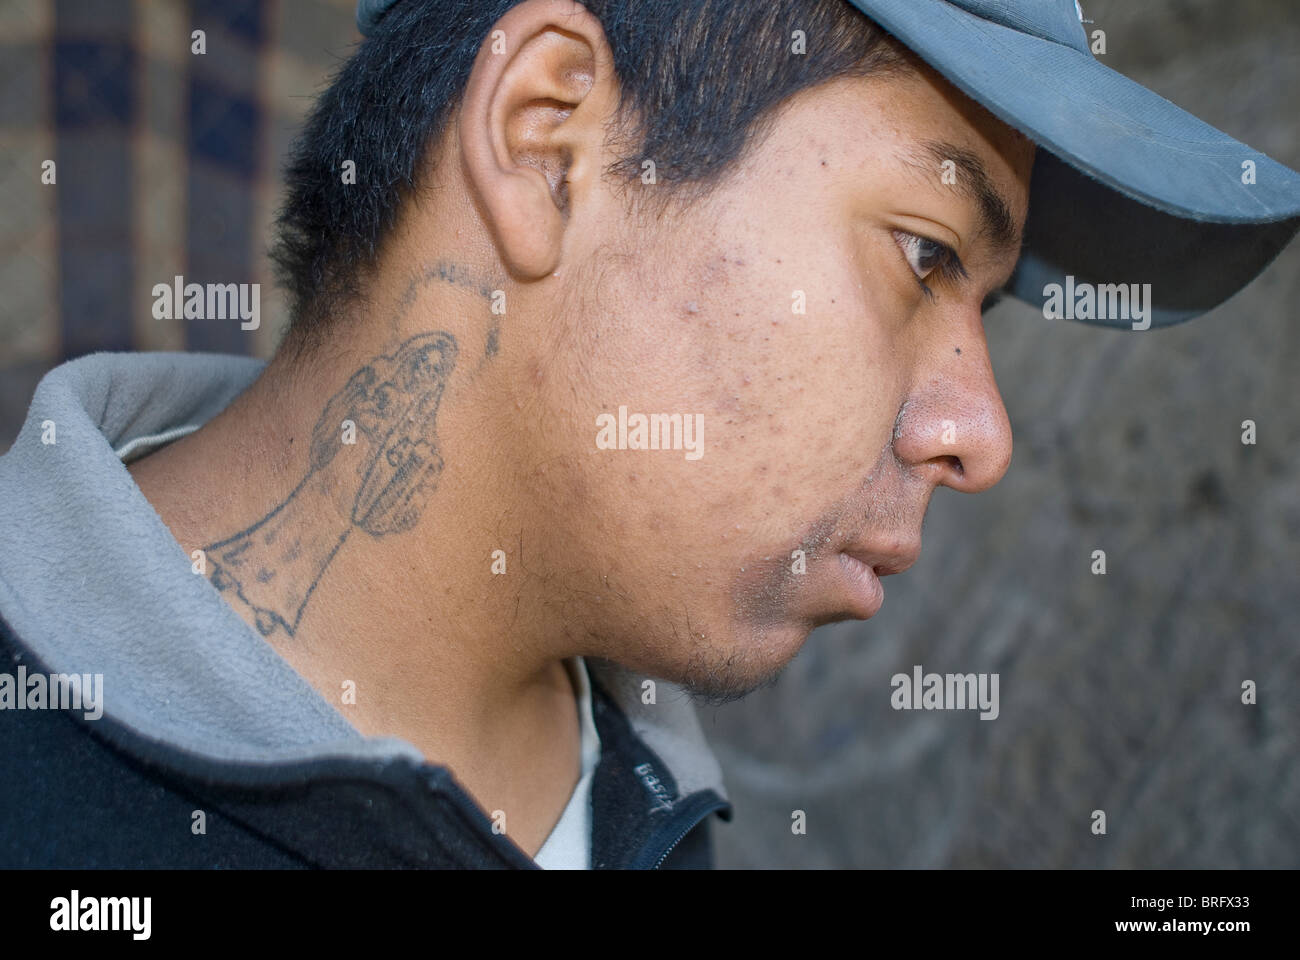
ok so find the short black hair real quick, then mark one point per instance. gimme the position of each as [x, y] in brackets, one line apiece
[698, 81]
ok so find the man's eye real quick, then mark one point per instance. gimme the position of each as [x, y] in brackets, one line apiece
[923, 255]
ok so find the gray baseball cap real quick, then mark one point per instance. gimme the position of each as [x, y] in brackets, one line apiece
[1127, 188]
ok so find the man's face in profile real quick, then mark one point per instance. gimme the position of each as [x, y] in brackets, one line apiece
[812, 311]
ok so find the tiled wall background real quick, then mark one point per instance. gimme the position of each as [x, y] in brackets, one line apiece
[1118, 692]
[167, 163]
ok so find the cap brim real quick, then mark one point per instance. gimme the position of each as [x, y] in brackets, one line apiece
[1147, 193]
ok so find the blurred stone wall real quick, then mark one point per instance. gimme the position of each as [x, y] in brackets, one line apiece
[1119, 692]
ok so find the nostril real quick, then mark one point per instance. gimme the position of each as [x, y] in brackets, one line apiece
[946, 469]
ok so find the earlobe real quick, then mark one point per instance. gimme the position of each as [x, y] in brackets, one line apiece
[526, 124]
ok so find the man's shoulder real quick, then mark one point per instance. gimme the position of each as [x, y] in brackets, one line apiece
[72, 799]
[91, 792]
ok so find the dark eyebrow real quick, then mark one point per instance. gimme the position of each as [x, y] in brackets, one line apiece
[974, 182]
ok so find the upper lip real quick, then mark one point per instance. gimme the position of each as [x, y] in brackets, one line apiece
[885, 562]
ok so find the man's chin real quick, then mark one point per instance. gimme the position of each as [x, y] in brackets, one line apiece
[716, 675]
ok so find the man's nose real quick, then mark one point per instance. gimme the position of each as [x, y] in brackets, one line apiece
[953, 427]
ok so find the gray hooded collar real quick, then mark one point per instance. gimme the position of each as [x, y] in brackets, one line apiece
[92, 581]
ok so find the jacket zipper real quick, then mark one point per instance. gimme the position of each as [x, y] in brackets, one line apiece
[659, 862]
[695, 822]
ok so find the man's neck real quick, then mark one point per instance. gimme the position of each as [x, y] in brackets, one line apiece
[334, 522]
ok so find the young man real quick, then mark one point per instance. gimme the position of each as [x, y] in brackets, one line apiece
[629, 343]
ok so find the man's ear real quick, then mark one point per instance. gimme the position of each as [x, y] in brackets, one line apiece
[531, 127]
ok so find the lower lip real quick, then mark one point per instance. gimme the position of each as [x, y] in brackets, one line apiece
[863, 586]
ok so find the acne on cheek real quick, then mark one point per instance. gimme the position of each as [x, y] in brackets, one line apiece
[744, 333]
[770, 358]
